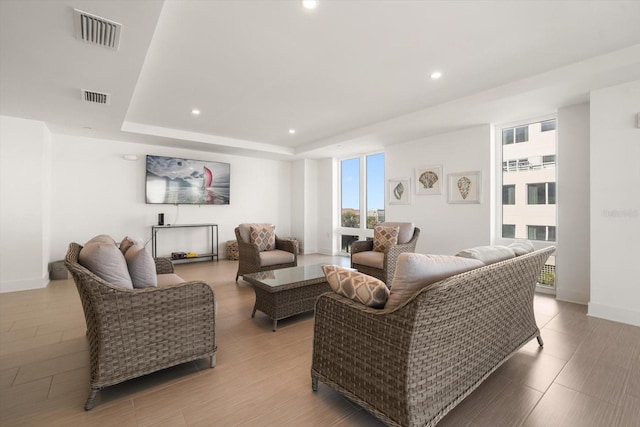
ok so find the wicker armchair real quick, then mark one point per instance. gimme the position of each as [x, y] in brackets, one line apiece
[412, 364]
[369, 264]
[251, 260]
[134, 332]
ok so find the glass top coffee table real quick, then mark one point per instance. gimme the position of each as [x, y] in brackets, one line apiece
[288, 291]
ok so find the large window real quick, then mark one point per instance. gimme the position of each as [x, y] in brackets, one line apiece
[527, 180]
[361, 185]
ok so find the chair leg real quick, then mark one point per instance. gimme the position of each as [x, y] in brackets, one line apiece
[212, 361]
[90, 400]
[540, 342]
[314, 384]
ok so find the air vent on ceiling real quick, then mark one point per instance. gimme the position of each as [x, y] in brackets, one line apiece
[96, 97]
[96, 30]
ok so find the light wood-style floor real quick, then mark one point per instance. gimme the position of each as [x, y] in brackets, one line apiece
[588, 373]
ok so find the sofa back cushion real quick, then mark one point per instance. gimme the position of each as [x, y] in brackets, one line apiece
[416, 271]
[142, 267]
[385, 236]
[488, 254]
[357, 286]
[245, 230]
[522, 247]
[405, 232]
[107, 262]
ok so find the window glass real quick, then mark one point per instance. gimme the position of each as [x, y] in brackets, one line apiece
[509, 231]
[548, 125]
[551, 193]
[507, 136]
[346, 241]
[536, 194]
[522, 134]
[375, 189]
[350, 192]
[508, 194]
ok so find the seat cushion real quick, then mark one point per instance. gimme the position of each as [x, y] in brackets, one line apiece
[142, 267]
[168, 279]
[406, 230]
[488, 254]
[357, 286]
[245, 230]
[264, 237]
[385, 236]
[107, 262]
[416, 271]
[369, 258]
[276, 257]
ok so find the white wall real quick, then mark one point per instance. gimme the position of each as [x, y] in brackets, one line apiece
[615, 203]
[24, 204]
[58, 189]
[327, 206]
[445, 228]
[572, 255]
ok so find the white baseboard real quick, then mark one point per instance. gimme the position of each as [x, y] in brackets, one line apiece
[23, 285]
[572, 296]
[616, 314]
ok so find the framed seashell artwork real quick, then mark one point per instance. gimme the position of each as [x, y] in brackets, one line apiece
[465, 187]
[428, 180]
[399, 192]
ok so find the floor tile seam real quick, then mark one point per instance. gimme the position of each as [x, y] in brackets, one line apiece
[57, 373]
[29, 347]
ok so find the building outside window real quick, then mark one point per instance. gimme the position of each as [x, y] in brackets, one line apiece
[361, 184]
[529, 184]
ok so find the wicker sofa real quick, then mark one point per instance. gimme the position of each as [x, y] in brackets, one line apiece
[134, 332]
[411, 364]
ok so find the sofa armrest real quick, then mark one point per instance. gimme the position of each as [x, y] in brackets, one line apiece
[148, 328]
[288, 245]
[353, 344]
[361, 246]
[163, 266]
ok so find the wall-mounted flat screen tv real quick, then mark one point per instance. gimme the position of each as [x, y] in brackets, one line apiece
[177, 181]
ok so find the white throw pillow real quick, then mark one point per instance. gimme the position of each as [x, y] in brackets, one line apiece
[488, 254]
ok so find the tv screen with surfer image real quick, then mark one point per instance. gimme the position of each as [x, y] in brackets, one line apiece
[177, 181]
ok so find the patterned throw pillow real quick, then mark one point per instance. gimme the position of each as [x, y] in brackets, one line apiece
[384, 237]
[264, 237]
[357, 286]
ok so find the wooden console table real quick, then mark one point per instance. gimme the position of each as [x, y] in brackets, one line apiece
[212, 228]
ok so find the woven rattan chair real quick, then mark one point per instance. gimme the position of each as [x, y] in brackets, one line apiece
[133, 332]
[390, 257]
[251, 260]
[411, 365]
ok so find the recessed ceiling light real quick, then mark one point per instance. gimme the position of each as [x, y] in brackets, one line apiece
[309, 4]
[292, 131]
[435, 75]
[195, 112]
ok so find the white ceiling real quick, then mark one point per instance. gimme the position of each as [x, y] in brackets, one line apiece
[348, 76]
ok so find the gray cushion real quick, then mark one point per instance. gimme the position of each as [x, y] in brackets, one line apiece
[522, 247]
[369, 258]
[406, 230]
[245, 230]
[142, 268]
[169, 279]
[103, 238]
[488, 254]
[416, 271]
[359, 287]
[126, 243]
[275, 257]
[107, 262]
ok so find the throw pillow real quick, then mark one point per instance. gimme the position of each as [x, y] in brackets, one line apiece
[522, 247]
[106, 261]
[417, 271]
[357, 286]
[488, 254]
[142, 267]
[264, 237]
[385, 236]
[126, 243]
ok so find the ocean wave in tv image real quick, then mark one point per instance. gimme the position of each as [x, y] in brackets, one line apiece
[182, 181]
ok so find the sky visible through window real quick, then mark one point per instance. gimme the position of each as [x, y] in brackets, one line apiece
[375, 182]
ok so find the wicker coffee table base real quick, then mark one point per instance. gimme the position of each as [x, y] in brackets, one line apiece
[280, 303]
